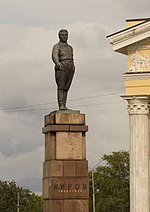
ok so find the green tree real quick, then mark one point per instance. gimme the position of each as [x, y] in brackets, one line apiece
[29, 201]
[112, 183]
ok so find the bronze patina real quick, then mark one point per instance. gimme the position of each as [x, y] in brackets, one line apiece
[62, 56]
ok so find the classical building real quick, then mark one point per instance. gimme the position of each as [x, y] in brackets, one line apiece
[134, 41]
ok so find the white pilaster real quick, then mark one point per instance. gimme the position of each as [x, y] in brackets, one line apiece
[138, 109]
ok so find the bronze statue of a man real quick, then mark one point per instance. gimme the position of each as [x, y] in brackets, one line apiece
[62, 56]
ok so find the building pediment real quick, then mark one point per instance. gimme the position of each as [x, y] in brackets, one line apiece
[132, 38]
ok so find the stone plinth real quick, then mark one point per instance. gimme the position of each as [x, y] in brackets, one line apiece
[65, 170]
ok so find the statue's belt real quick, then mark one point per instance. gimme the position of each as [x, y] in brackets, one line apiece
[69, 60]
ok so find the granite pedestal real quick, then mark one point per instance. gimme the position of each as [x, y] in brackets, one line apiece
[65, 170]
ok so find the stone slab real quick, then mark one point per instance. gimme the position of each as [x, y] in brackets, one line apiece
[69, 168]
[53, 206]
[56, 128]
[70, 206]
[66, 205]
[82, 168]
[49, 119]
[66, 188]
[64, 128]
[84, 146]
[65, 118]
[65, 146]
[53, 168]
[76, 206]
[59, 168]
[70, 118]
[69, 146]
[50, 146]
[82, 205]
[70, 111]
[74, 128]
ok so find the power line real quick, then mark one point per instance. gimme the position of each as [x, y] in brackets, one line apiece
[50, 103]
[85, 105]
[18, 68]
[100, 95]
[26, 106]
[105, 103]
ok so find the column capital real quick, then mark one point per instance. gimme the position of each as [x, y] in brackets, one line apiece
[138, 104]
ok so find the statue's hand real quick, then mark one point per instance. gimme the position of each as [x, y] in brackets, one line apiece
[59, 65]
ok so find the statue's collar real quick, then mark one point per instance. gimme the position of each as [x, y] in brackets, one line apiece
[62, 43]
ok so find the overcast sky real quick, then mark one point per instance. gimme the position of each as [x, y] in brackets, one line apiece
[27, 88]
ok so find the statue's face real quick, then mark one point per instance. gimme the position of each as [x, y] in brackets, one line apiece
[63, 36]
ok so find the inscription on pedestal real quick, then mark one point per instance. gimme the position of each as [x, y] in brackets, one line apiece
[66, 188]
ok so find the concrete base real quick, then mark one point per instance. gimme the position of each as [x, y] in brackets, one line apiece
[65, 170]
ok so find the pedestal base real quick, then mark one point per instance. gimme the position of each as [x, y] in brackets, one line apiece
[65, 170]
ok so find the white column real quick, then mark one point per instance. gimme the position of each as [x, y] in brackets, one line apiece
[138, 109]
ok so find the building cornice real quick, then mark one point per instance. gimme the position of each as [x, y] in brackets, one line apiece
[123, 39]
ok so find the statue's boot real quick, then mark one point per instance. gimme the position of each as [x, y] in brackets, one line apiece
[62, 106]
[61, 100]
[65, 100]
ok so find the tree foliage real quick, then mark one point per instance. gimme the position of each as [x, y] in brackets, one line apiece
[29, 201]
[112, 183]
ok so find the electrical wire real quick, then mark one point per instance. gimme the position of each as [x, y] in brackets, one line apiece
[19, 108]
[48, 108]
[18, 68]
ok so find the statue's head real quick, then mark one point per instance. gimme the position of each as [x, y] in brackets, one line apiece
[63, 35]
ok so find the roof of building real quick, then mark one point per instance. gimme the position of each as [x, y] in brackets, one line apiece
[122, 39]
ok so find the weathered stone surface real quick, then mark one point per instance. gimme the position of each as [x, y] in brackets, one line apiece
[82, 168]
[46, 120]
[83, 146]
[70, 205]
[59, 168]
[53, 168]
[49, 119]
[65, 205]
[69, 169]
[46, 186]
[69, 145]
[65, 145]
[78, 128]
[82, 205]
[66, 188]
[76, 206]
[53, 205]
[56, 128]
[50, 147]
[64, 128]
[65, 118]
